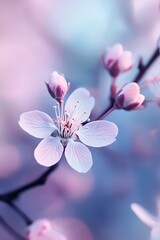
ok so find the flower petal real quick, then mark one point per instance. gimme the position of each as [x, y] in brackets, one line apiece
[98, 133]
[154, 86]
[140, 99]
[49, 151]
[55, 235]
[78, 156]
[125, 61]
[155, 233]
[144, 215]
[79, 105]
[131, 87]
[131, 91]
[114, 53]
[43, 229]
[37, 123]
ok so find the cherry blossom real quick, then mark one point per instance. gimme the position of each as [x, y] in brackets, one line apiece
[67, 134]
[129, 97]
[148, 219]
[43, 229]
[154, 86]
[57, 86]
[116, 60]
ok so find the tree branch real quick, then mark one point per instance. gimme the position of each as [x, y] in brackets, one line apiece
[26, 219]
[12, 195]
[144, 67]
[11, 230]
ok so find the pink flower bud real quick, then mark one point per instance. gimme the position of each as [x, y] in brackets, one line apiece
[57, 86]
[42, 229]
[129, 97]
[116, 60]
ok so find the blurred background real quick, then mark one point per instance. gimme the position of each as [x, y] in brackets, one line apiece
[40, 36]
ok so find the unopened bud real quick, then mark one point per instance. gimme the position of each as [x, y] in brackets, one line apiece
[116, 60]
[57, 86]
[129, 97]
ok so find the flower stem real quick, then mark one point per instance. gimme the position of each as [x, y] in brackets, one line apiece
[113, 89]
[26, 219]
[143, 68]
[106, 113]
[41, 180]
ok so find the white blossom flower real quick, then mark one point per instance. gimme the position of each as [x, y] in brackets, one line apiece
[154, 86]
[129, 97]
[43, 229]
[148, 219]
[62, 133]
[116, 60]
[57, 86]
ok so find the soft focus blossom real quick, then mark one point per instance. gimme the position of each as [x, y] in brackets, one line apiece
[116, 60]
[57, 86]
[61, 134]
[74, 186]
[42, 229]
[129, 97]
[154, 86]
[74, 228]
[151, 221]
[10, 160]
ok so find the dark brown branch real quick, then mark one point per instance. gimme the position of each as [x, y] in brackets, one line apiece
[11, 230]
[143, 68]
[10, 196]
[26, 219]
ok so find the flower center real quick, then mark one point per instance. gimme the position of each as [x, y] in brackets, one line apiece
[66, 123]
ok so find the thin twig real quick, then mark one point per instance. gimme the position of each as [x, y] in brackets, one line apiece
[107, 113]
[143, 68]
[106, 110]
[11, 230]
[10, 196]
[26, 219]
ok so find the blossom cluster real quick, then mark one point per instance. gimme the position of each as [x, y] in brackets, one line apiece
[71, 129]
[71, 132]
